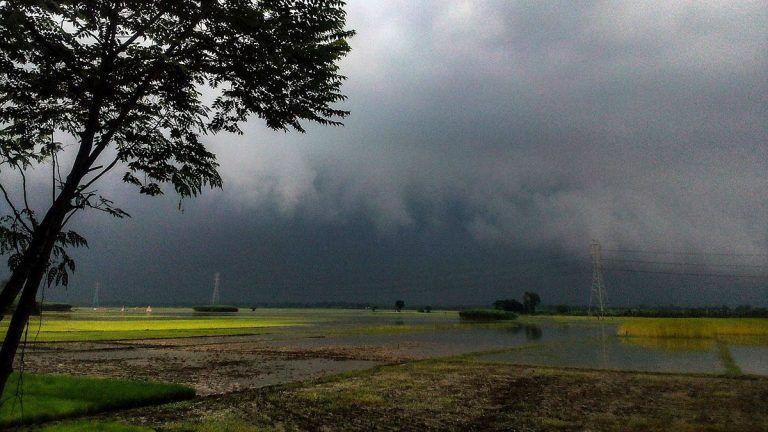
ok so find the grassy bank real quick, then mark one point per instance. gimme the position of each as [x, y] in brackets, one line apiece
[48, 397]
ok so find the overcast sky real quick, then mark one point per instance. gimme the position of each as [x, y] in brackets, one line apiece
[489, 143]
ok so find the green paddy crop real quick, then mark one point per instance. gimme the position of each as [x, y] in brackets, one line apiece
[38, 398]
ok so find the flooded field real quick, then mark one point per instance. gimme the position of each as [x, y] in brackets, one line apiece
[309, 369]
[253, 349]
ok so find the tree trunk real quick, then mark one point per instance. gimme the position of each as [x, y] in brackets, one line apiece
[18, 322]
[29, 274]
[19, 277]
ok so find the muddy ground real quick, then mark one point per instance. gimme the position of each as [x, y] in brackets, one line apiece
[465, 395]
[211, 365]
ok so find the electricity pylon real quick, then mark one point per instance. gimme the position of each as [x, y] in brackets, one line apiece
[215, 297]
[96, 295]
[597, 290]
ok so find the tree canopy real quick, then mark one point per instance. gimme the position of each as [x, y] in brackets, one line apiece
[149, 79]
[137, 85]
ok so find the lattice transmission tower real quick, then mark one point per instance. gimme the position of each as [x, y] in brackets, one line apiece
[215, 297]
[597, 290]
[96, 295]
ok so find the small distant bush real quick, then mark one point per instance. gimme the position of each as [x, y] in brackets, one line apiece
[215, 308]
[56, 307]
[486, 315]
[425, 309]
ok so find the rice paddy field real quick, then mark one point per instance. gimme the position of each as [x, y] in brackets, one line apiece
[313, 369]
[738, 330]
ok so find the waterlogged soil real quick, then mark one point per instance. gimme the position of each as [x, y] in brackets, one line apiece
[463, 395]
[221, 364]
[210, 365]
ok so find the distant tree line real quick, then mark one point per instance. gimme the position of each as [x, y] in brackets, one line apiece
[744, 311]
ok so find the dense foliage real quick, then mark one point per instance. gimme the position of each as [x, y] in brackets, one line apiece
[666, 312]
[528, 306]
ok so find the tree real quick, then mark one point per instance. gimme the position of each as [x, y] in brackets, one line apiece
[530, 301]
[399, 305]
[509, 305]
[136, 85]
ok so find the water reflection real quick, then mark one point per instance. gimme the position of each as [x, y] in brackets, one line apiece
[532, 332]
[670, 344]
[596, 346]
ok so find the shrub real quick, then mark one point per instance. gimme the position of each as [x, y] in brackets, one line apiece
[215, 308]
[486, 315]
[56, 307]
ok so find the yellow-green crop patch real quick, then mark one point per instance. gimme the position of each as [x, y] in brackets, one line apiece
[113, 324]
[53, 329]
[734, 330]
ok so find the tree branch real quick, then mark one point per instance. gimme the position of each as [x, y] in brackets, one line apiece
[23, 186]
[100, 174]
[51, 48]
[139, 33]
[13, 208]
[140, 90]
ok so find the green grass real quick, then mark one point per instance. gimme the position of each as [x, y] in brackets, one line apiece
[92, 426]
[729, 364]
[49, 397]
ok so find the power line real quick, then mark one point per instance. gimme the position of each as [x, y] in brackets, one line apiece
[648, 252]
[628, 270]
[685, 263]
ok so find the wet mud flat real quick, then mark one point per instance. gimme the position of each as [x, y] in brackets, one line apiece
[211, 365]
[222, 364]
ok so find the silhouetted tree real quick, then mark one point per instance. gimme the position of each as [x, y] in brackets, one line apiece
[509, 305]
[530, 301]
[135, 84]
[399, 305]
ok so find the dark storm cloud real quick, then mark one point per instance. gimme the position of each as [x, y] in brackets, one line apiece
[483, 132]
[553, 122]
